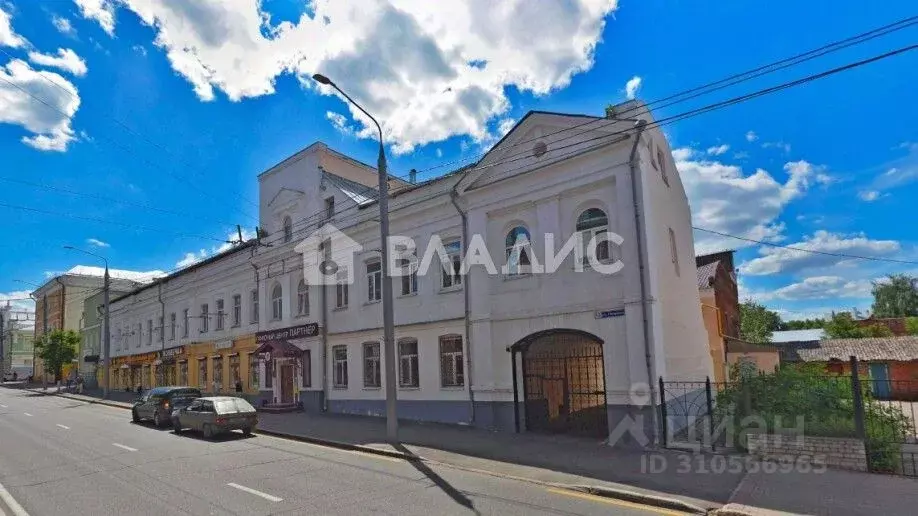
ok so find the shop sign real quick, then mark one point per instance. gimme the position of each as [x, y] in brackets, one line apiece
[172, 352]
[223, 344]
[606, 314]
[293, 332]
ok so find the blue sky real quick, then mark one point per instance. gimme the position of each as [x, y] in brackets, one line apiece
[180, 104]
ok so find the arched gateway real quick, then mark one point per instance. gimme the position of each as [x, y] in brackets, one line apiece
[562, 383]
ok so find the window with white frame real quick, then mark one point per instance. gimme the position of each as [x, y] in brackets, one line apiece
[451, 367]
[172, 326]
[302, 298]
[149, 332]
[205, 318]
[451, 276]
[253, 317]
[221, 313]
[185, 321]
[593, 223]
[288, 229]
[374, 280]
[673, 251]
[409, 276]
[277, 302]
[139, 334]
[371, 371]
[307, 368]
[161, 329]
[341, 288]
[518, 246]
[662, 162]
[237, 310]
[339, 361]
[408, 362]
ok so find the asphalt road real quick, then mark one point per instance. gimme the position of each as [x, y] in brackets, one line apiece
[63, 457]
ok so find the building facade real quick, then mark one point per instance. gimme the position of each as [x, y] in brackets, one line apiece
[502, 347]
[16, 341]
[717, 288]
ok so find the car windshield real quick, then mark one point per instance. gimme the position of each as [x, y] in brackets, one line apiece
[233, 406]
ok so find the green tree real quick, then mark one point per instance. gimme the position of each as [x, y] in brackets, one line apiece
[805, 324]
[876, 330]
[57, 349]
[911, 325]
[897, 296]
[757, 322]
[842, 326]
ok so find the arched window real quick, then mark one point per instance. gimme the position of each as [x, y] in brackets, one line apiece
[288, 229]
[302, 298]
[593, 223]
[277, 302]
[518, 246]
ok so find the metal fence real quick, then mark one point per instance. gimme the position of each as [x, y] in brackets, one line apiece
[882, 413]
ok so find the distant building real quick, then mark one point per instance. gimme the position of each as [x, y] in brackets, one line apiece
[719, 296]
[797, 335]
[16, 338]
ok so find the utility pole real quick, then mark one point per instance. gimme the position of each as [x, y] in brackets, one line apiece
[388, 313]
[106, 334]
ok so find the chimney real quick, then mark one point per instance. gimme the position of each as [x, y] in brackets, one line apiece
[413, 176]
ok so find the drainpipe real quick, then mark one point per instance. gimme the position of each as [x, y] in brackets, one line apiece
[323, 302]
[467, 297]
[634, 161]
[162, 335]
[63, 312]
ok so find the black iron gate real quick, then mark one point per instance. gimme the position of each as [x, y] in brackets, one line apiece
[564, 384]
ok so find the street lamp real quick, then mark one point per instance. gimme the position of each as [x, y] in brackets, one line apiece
[106, 334]
[388, 315]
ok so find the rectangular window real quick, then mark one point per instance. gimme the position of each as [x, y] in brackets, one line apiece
[205, 318]
[451, 367]
[220, 314]
[237, 310]
[374, 280]
[408, 363]
[453, 265]
[371, 373]
[161, 330]
[149, 332]
[253, 317]
[409, 277]
[186, 321]
[307, 368]
[234, 371]
[329, 208]
[183, 373]
[218, 373]
[172, 326]
[202, 373]
[139, 334]
[672, 248]
[253, 371]
[662, 163]
[339, 357]
[341, 288]
[302, 299]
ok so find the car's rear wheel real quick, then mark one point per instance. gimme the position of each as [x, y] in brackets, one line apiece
[247, 431]
[208, 431]
[135, 417]
[176, 426]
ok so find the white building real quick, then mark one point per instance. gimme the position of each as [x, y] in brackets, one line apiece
[574, 351]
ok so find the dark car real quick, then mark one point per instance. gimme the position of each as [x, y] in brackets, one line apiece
[216, 415]
[159, 402]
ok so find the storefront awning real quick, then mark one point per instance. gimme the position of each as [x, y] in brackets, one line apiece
[232, 354]
[125, 366]
[279, 348]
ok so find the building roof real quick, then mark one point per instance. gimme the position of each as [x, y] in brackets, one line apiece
[359, 193]
[901, 349]
[135, 276]
[798, 335]
[706, 274]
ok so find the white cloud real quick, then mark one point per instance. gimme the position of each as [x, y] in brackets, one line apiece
[718, 150]
[95, 242]
[339, 122]
[66, 60]
[715, 191]
[773, 260]
[427, 70]
[819, 287]
[193, 257]
[8, 37]
[751, 136]
[102, 11]
[869, 195]
[786, 147]
[51, 128]
[683, 153]
[741, 155]
[897, 173]
[140, 49]
[439, 152]
[632, 86]
[63, 25]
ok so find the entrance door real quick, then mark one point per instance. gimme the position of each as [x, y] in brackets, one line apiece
[286, 379]
[564, 384]
[879, 381]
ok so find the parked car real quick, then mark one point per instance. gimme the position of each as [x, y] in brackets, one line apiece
[159, 402]
[216, 415]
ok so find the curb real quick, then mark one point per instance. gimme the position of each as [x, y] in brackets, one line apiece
[645, 499]
[338, 444]
[90, 400]
[736, 509]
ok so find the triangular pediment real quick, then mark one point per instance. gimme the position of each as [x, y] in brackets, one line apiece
[286, 196]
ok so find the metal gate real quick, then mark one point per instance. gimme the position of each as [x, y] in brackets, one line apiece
[563, 383]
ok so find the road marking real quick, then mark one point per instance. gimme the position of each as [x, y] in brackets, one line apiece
[249, 490]
[26, 413]
[123, 447]
[332, 448]
[3, 406]
[11, 502]
[64, 427]
[612, 501]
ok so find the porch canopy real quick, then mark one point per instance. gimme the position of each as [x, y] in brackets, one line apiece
[279, 348]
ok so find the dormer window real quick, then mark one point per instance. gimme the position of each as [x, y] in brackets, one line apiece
[288, 229]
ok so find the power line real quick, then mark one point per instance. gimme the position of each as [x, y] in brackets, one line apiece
[811, 251]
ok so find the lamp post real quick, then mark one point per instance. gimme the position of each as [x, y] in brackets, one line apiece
[388, 314]
[106, 334]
